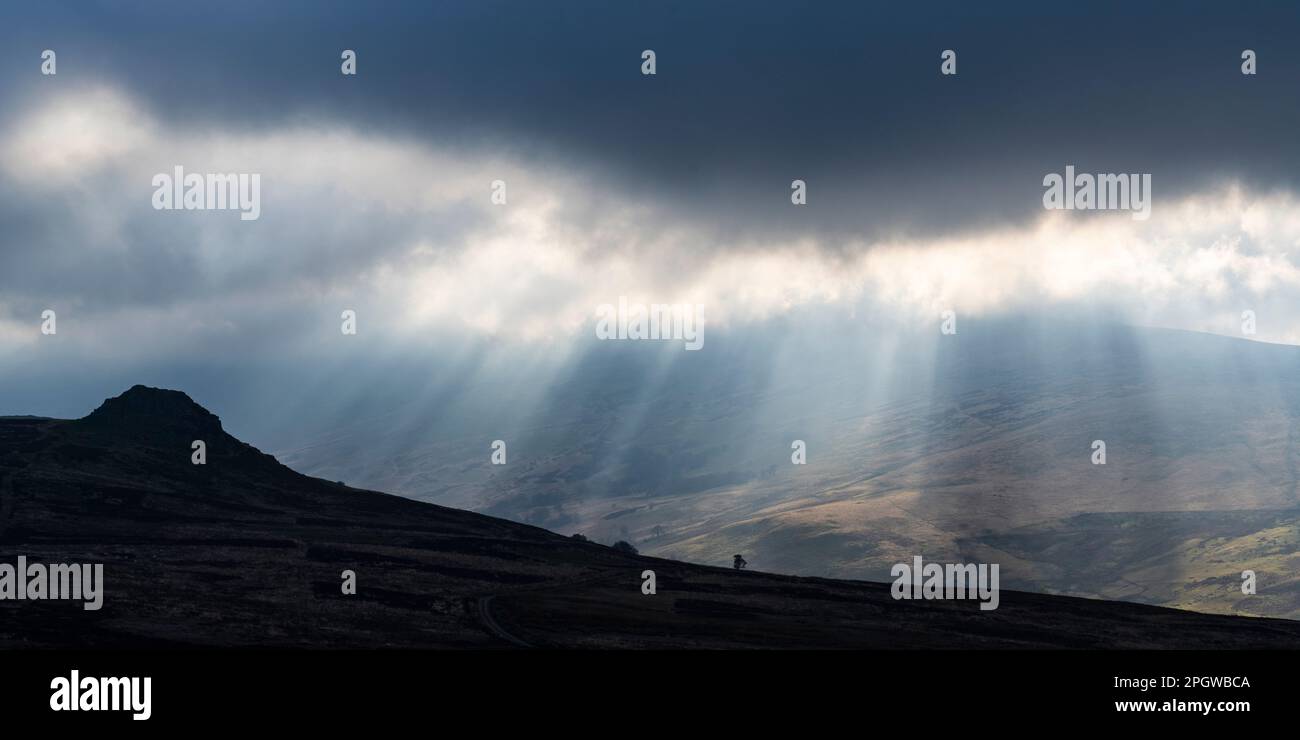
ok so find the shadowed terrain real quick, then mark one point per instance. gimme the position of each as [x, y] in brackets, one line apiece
[970, 447]
[243, 551]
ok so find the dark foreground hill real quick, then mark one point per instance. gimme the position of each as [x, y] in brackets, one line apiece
[243, 551]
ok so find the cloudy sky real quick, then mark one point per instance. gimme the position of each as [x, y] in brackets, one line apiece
[924, 191]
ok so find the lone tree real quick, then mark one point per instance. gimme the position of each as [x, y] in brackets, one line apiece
[624, 546]
[738, 562]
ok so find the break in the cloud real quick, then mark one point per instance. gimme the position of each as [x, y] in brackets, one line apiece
[402, 229]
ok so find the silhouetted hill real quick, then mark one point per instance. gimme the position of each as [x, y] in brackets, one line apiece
[243, 551]
[143, 411]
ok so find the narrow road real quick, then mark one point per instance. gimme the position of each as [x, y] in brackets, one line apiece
[484, 607]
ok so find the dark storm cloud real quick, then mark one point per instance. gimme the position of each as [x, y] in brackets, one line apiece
[747, 97]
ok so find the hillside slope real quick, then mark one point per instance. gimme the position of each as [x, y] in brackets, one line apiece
[243, 551]
[975, 446]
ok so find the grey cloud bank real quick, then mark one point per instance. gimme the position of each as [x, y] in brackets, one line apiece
[924, 192]
[748, 96]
